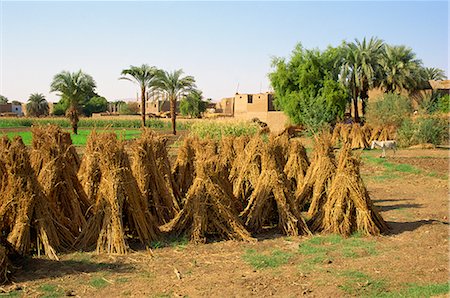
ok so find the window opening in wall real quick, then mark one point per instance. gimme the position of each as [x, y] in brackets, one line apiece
[250, 99]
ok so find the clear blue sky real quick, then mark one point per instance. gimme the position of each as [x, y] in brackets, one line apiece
[222, 44]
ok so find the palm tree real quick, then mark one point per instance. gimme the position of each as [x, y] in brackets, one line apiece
[175, 86]
[143, 76]
[435, 74]
[74, 88]
[37, 105]
[360, 68]
[400, 69]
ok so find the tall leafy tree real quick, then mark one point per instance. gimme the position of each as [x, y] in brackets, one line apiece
[360, 69]
[144, 76]
[37, 105]
[400, 69]
[175, 85]
[74, 88]
[306, 86]
[3, 99]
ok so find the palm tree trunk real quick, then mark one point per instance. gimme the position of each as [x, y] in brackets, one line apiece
[72, 113]
[355, 104]
[143, 106]
[364, 99]
[173, 114]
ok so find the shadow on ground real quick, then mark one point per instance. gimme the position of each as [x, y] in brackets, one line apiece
[397, 228]
[29, 269]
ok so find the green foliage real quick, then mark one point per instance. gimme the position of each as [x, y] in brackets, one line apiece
[262, 261]
[390, 109]
[3, 99]
[218, 130]
[306, 87]
[96, 104]
[193, 105]
[432, 130]
[443, 104]
[60, 108]
[75, 88]
[401, 70]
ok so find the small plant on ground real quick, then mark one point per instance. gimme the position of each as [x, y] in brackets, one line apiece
[360, 284]
[275, 259]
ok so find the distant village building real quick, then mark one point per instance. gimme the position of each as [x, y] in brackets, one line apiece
[249, 106]
[10, 109]
[157, 103]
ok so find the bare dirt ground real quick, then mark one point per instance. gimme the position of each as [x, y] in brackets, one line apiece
[414, 255]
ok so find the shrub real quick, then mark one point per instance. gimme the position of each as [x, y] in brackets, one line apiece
[432, 130]
[390, 109]
[129, 108]
[443, 103]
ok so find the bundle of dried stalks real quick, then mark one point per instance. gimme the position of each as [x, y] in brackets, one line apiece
[119, 206]
[163, 163]
[246, 170]
[375, 133]
[209, 206]
[183, 171]
[344, 132]
[4, 264]
[358, 137]
[239, 144]
[227, 154]
[367, 132]
[296, 165]
[89, 173]
[272, 186]
[28, 220]
[161, 201]
[54, 134]
[56, 163]
[318, 179]
[349, 208]
[336, 133]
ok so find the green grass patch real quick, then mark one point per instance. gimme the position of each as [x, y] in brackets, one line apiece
[98, 282]
[51, 291]
[122, 280]
[175, 242]
[82, 136]
[89, 123]
[275, 259]
[334, 245]
[414, 290]
[360, 284]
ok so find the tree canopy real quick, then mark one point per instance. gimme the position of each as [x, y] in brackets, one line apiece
[193, 104]
[37, 105]
[74, 88]
[307, 88]
[175, 85]
[144, 76]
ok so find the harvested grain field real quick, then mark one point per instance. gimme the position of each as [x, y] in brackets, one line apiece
[412, 259]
